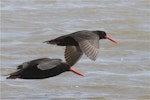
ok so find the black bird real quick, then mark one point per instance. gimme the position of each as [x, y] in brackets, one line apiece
[41, 68]
[80, 42]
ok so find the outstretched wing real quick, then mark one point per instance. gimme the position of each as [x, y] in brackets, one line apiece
[72, 54]
[49, 64]
[89, 44]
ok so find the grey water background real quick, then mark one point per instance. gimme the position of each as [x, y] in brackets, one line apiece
[121, 72]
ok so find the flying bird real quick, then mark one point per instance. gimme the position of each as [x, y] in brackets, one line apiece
[80, 42]
[41, 68]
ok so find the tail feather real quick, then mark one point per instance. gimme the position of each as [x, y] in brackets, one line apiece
[50, 42]
[19, 67]
[13, 76]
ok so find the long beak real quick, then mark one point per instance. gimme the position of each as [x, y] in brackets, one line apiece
[74, 71]
[109, 38]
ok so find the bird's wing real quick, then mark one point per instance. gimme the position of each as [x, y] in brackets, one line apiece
[40, 60]
[22, 66]
[30, 63]
[72, 54]
[49, 64]
[25, 64]
[89, 44]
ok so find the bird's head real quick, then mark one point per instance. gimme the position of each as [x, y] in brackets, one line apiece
[103, 35]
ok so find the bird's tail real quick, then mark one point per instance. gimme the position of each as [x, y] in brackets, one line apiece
[50, 42]
[14, 75]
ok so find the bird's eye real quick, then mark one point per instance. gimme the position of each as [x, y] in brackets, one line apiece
[104, 34]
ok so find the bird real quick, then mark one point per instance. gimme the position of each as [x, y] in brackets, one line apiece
[80, 42]
[41, 68]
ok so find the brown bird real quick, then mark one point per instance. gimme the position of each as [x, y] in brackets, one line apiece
[41, 68]
[80, 42]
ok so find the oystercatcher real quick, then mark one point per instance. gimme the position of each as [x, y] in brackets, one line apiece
[41, 68]
[80, 42]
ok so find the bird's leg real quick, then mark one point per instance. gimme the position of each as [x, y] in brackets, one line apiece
[76, 72]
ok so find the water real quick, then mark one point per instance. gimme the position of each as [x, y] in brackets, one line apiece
[121, 71]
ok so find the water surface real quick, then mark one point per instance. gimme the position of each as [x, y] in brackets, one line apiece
[120, 72]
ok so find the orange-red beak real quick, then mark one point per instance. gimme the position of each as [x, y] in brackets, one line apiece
[74, 71]
[109, 38]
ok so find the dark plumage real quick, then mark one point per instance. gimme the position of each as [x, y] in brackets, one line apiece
[80, 42]
[41, 68]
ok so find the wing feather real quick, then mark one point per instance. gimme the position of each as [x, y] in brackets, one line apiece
[72, 54]
[89, 43]
[49, 64]
[90, 48]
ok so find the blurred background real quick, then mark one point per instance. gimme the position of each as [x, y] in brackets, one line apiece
[120, 72]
